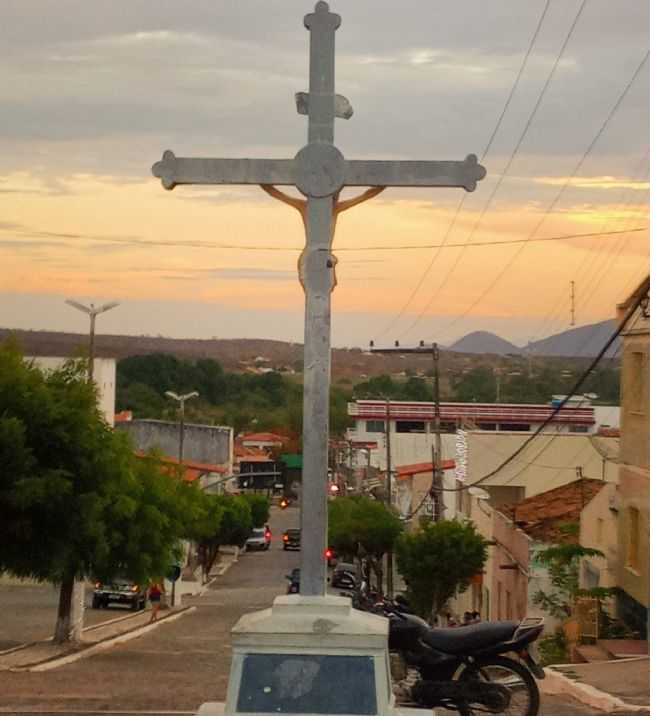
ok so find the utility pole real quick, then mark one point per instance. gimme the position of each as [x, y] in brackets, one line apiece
[497, 378]
[437, 463]
[78, 604]
[573, 303]
[180, 399]
[389, 498]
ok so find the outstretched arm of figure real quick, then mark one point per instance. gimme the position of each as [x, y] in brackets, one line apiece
[355, 201]
[273, 191]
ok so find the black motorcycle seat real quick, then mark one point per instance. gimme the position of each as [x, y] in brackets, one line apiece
[468, 639]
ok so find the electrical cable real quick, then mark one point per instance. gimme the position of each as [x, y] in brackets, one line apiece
[509, 163]
[488, 146]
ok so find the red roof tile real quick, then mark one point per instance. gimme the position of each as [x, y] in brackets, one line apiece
[263, 438]
[543, 515]
[416, 468]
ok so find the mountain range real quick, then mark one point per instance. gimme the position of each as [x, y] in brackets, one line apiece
[579, 342]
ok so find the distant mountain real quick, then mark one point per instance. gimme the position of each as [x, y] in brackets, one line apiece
[578, 342]
[484, 342]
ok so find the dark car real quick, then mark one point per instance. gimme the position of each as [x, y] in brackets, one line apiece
[291, 539]
[344, 576]
[119, 591]
[294, 581]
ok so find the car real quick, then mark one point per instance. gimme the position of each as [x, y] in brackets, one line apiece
[119, 591]
[294, 581]
[260, 539]
[291, 539]
[344, 576]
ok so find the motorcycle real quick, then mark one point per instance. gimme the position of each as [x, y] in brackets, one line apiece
[465, 668]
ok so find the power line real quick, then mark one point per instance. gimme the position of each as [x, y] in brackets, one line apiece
[509, 163]
[488, 146]
[506, 267]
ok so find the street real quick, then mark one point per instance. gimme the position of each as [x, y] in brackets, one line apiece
[179, 665]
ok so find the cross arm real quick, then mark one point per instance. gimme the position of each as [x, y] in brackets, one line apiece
[464, 174]
[173, 170]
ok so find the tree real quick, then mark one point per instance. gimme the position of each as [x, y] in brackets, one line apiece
[439, 560]
[74, 499]
[362, 527]
[259, 507]
[563, 564]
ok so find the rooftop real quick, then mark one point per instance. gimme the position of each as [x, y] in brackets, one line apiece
[542, 516]
[418, 467]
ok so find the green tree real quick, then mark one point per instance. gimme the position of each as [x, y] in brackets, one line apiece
[563, 564]
[260, 508]
[74, 499]
[439, 560]
[476, 386]
[364, 528]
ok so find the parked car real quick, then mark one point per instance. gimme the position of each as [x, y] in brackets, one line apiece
[119, 591]
[294, 581]
[291, 539]
[260, 539]
[344, 576]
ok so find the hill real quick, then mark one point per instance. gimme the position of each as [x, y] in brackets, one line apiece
[484, 342]
[580, 342]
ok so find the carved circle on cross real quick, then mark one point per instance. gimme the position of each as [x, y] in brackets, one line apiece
[320, 170]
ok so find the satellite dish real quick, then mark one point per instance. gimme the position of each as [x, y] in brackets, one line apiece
[479, 493]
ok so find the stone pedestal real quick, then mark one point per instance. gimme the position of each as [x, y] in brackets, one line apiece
[309, 655]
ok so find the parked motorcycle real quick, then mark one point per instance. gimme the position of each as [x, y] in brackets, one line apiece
[465, 668]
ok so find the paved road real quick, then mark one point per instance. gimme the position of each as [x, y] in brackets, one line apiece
[179, 665]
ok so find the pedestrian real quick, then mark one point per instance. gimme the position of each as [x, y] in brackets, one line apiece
[155, 595]
[476, 617]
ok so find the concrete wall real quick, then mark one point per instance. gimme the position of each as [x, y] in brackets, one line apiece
[599, 530]
[104, 375]
[509, 586]
[202, 443]
[411, 490]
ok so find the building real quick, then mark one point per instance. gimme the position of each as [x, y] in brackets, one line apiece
[204, 444]
[263, 441]
[213, 479]
[549, 461]
[412, 425]
[411, 491]
[103, 374]
[634, 484]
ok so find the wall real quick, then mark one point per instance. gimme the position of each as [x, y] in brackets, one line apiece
[410, 491]
[509, 586]
[599, 530]
[207, 444]
[103, 373]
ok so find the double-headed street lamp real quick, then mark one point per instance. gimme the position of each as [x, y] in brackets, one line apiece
[181, 409]
[93, 311]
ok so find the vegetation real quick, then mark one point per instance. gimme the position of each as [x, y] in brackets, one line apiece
[363, 528]
[439, 560]
[563, 564]
[245, 401]
[260, 507]
[76, 502]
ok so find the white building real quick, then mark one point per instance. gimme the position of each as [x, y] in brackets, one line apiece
[104, 376]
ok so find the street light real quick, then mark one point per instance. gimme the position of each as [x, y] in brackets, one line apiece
[180, 399]
[79, 589]
[93, 312]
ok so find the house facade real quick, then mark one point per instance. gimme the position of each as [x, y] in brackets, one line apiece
[634, 486]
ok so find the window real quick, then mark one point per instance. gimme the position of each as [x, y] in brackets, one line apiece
[600, 523]
[634, 387]
[487, 426]
[578, 428]
[409, 426]
[375, 426]
[634, 525]
[508, 604]
[446, 426]
[515, 427]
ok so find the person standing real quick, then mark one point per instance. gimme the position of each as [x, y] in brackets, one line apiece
[155, 595]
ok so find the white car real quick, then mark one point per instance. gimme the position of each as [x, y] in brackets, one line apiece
[260, 539]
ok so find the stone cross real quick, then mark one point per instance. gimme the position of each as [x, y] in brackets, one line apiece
[319, 171]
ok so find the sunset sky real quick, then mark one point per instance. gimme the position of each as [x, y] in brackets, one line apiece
[93, 92]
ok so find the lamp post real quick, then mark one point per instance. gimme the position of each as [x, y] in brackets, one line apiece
[79, 589]
[92, 311]
[180, 399]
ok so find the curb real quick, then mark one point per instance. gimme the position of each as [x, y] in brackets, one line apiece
[55, 662]
[557, 683]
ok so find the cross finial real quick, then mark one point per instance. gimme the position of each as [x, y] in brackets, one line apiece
[322, 16]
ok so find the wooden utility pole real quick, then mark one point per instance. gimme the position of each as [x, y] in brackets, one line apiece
[437, 462]
[389, 498]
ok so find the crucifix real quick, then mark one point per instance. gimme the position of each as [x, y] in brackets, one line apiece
[320, 172]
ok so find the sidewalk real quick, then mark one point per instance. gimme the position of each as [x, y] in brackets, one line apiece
[612, 686]
[31, 656]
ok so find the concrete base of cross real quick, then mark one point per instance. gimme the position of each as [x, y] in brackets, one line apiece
[313, 655]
